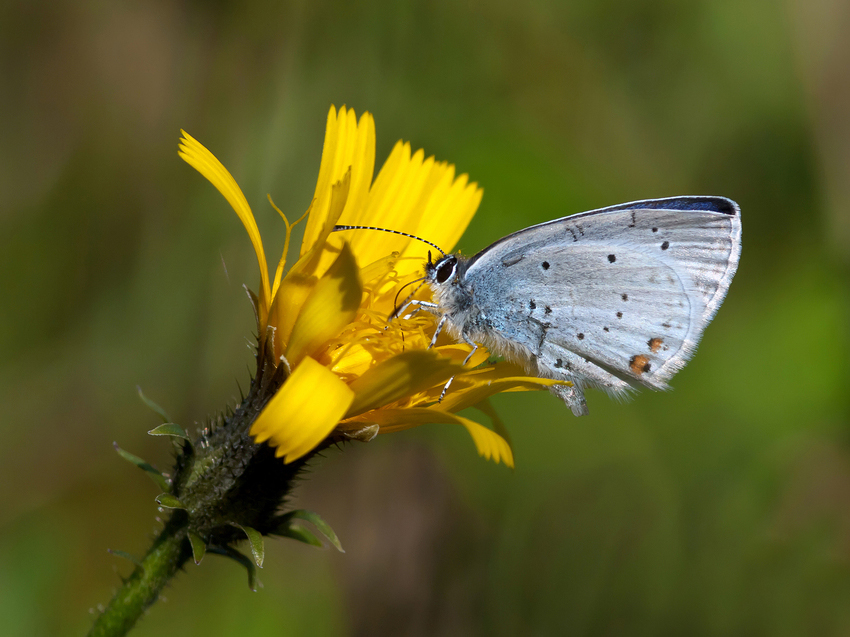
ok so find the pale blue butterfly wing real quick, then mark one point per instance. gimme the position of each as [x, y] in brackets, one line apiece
[605, 298]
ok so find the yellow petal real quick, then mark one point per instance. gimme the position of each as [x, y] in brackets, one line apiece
[389, 205]
[399, 377]
[489, 444]
[312, 260]
[414, 195]
[458, 352]
[471, 387]
[379, 269]
[447, 214]
[411, 194]
[331, 306]
[348, 145]
[460, 397]
[303, 411]
[486, 407]
[202, 160]
[355, 361]
[299, 282]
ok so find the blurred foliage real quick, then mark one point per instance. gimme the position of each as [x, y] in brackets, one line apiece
[720, 508]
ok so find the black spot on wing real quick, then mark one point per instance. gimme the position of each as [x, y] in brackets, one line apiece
[625, 297]
[665, 245]
[612, 258]
[545, 264]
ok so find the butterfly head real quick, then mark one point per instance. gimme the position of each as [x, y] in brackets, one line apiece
[443, 271]
[450, 293]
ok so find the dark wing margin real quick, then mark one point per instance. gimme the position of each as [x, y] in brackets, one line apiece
[721, 205]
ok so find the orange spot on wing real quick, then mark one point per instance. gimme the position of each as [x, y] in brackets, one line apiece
[639, 364]
[655, 344]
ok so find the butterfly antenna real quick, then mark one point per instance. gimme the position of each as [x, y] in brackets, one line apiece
[396, 306]
[403, 234]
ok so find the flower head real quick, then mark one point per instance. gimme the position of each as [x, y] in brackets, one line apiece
[351, 372]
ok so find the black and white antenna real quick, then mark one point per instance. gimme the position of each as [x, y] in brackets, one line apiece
[403, 234]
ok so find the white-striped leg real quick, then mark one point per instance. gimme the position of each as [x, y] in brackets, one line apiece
[439, 329]
[419, 305]
[465, 361]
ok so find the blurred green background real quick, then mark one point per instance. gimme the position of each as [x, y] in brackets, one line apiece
[721, 508]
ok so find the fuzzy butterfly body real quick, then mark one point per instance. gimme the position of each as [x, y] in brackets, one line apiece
[609, 298]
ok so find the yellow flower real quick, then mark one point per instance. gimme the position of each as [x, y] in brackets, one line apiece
[350, 370]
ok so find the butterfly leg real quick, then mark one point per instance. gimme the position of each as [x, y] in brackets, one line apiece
[443, 319]
[418, 307]
[562, 364]
[465, 361]
[573, 397]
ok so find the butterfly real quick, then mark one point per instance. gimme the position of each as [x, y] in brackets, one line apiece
[611, 298]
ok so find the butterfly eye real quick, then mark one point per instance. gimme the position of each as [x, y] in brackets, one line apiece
[445, 270]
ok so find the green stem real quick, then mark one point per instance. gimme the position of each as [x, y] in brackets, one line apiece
[226, 483]
[169, 552]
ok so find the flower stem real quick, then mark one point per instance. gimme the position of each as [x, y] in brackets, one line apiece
[166, 556]
[225, 489]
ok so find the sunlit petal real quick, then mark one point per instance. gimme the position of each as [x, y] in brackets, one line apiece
[415, 195]
[447, 213]
[202, 160]
[470, 387]
[399, 377]
[489, 444]
[299, 282]
[464, 397]
[330, 307]
[458, 353]
[349, 145]
[294, 420]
